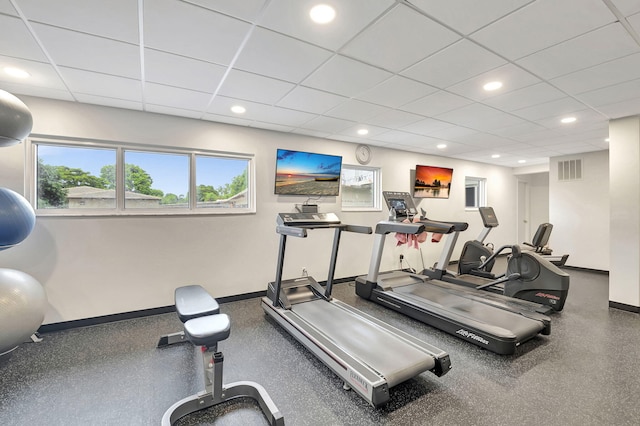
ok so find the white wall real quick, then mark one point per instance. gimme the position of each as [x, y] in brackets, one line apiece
[93, 266]
[579, 212]
[624, 279]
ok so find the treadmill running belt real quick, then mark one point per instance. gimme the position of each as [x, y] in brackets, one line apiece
[395, 359]
[492, 318]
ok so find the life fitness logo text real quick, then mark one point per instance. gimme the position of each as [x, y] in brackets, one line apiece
[552, 297]
[470, 335]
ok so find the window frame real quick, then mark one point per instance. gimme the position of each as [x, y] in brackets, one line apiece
[480, 185]
[31, 179]
[377, 192]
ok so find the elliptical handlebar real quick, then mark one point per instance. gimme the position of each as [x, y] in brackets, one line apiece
[515, 251]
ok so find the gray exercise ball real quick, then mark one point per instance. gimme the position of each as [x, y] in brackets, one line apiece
[22, 305]
[16, 121]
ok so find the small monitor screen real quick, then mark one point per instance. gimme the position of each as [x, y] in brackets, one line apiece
[397, 204]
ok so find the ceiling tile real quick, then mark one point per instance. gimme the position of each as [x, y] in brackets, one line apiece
[634, 21]
[255, 87]
[627, 7]
[247, 10]
[115, 19]
[41, 92]
[452, 133]
[394, 118]
[221, 105]
[278, 56]
[605, 74]
[525, 97]
[626, 91]
[310, 100]
[345, 76]
[514, 131]
[396, 136]
[467, 16]
[554, 108]
[111, 102]
[427, 126]
[436, 103]
[511, 76]
[161, 67]
[353, 132]
[158, 94]
[454, 64]
[533, 28]
[620, 109]
[355, 110]
[291, 17]
[16, 40]
[89, 52]
[479, 117]
[601, 45]
[333, 125]
[41, 74]
[7, 8]
[396, 91]
[104, 85]
[194, 32]
[374, 46]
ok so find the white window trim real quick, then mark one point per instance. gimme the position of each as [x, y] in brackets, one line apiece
[120, 147]
[377, 191]
[482, 193]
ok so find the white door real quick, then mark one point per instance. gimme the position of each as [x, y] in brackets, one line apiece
[524, 230]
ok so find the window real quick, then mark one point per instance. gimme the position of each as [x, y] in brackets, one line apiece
[82, 178]
[360, 188]
[475, 192]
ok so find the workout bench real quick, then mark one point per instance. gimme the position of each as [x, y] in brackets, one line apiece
[205, 326]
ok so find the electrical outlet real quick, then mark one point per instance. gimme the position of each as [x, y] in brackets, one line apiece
[401, 258]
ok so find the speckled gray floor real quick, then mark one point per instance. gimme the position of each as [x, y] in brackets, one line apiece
[585, 373]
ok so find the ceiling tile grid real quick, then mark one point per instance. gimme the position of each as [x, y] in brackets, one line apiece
[410, 72]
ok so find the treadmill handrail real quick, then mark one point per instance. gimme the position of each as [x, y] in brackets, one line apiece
[386, 227]
[292, 231]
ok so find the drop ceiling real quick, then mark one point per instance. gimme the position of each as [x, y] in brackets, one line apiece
[411, 72]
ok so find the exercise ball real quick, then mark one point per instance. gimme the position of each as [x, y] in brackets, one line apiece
[22, 305]
[16, 121]
[17, 218]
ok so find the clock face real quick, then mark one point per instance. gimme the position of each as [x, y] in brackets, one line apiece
[363, 154]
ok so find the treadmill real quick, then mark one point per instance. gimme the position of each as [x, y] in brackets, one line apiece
[367, 354]
[496, 323]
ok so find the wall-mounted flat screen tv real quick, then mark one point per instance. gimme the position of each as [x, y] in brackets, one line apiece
[307, 173]
[432, 182]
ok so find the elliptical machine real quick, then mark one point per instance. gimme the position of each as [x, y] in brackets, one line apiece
[528, 275]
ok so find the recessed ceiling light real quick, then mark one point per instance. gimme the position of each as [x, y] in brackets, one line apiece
[322, 14]
[441, 146]
[568, 120]
[363, 132]
[16, 72]
[522, 161]
[495, 156]
[238, 109]
[494, 85]
[606, 140]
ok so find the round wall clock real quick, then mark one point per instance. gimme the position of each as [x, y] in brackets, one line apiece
[363, 154]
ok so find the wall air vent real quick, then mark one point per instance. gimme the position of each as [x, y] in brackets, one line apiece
[570, 170]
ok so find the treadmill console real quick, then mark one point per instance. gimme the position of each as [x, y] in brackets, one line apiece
[488, 217]
[307, 219]
[400, 202]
